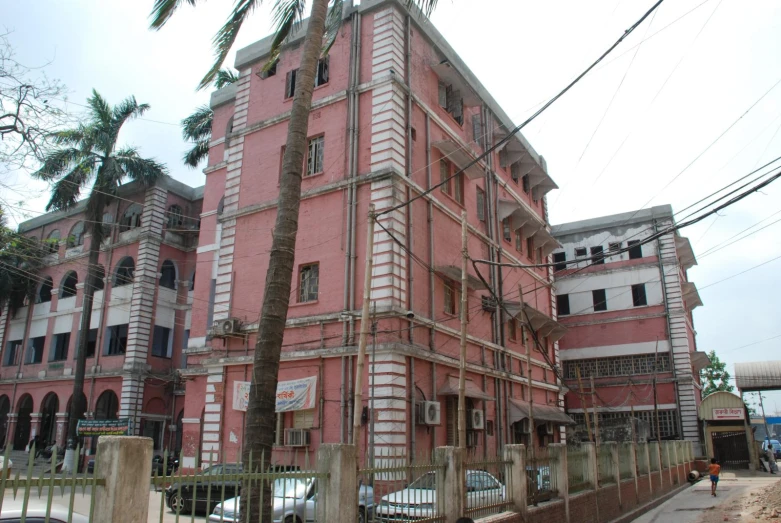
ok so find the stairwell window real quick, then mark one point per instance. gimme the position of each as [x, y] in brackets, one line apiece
[600, 300]
[314, 156]
[309, 282]
[559, 258]
[562, 304]
[639, 298]
[635, 249]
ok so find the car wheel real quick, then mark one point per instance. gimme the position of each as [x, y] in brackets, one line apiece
[361, 515]
[177, 504]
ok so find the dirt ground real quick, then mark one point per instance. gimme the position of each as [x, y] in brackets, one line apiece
[758, 504]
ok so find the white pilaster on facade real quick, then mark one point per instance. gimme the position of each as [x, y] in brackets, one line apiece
[388, 399]
[679, 336]
[146, 279]
[212, 417]
[234, 155]
[131, 400]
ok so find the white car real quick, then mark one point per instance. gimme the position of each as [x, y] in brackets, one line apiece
[419, 499]
[36, 511]
[294, 502]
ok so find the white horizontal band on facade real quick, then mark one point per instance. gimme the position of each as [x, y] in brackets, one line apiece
[608, 351]
[662, 406]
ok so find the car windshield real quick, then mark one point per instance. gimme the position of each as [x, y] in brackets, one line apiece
[290, 488]
[425, 482]
[773, 442]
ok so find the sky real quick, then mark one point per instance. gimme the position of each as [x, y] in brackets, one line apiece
[688, 103]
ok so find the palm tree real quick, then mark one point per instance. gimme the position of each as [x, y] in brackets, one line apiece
[88, 155]
[324, 24]
[197, 128]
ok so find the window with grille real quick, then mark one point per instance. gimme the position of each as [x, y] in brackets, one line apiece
[309, 280]
[638, 295]
[314, 156]
[635, 249]
[477, 129]
[600, 300]
[450, 100]
[562, 304]
[636, 364]
[480, 204]
[614, 247]
[559, 258]
[668, 420]
[596, 254]
[518, 241]
[507, 230]
[580, 251]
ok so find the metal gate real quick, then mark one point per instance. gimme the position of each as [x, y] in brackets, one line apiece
[731, 450]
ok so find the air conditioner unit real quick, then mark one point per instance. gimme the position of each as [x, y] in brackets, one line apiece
[429, 413]
[549, 428]
[471, 439]
[227, 327]
[476, 419]
[297, 438]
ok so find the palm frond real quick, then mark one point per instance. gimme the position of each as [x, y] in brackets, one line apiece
[58, 162]
[425, 6]
[129, 162]
[287, 15]
[100, 109]
[73, 137]
[198, 125]
[226, 36]
[332, 25]
[225, 77]
[197, 154]
[66, 191]
[163, 10]
[126, 109]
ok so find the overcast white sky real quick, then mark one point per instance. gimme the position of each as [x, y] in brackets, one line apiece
[671, 97]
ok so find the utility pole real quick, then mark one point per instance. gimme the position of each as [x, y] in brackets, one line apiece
[764, 418]
[585, 410]
[532, 447]
[462, 363]
[367, 283]
[374, 362]
[596, 416]
[656, 400]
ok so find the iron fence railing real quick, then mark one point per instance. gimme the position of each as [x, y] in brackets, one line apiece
[402, 490]
[540, 477]
[488, 487]
[577, 469]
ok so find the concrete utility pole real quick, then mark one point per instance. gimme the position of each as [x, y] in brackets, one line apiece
[462, 362]
[367, 283]
[656, 400]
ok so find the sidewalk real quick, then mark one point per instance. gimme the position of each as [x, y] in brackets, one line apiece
[734, 501]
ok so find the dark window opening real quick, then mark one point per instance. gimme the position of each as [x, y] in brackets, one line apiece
[512, 329]
[100, 275]
[59, 349]
[290, 83]
[69, 285]
[526, 184]
[515, 172]
[562, 304]
[125, 272]
[614, 247]
[507, 230]
[131, 219]
[600, 300]
[161, 342]
[597, 257]
[309, 282]
[450, 100]
[267, 73]
[322, 71]
[168, 275]
[580, 251]
[35, 350]
[116, 340]
[174, 217]
[635, 249]
[480, 204]
[530, 247]
[12, 351]
[76, 236]
[92, 342]
[638, 295]
[53, 242]
[451, 298]
[559, 258]
[45, 292]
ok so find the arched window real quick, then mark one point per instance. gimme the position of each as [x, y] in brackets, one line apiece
[131, 219]
[76, 236]
[69, 282]
[107, 406]
[99, 277]
[175, 217]
[108, 221]
[45, 292]
[126, 269]
[168, 275]
[53, 241]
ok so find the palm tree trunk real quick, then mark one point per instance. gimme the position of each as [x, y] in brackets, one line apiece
[260, 427]
[79, 400]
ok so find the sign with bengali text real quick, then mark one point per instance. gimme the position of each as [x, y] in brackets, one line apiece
[728, 414]
[291, 395]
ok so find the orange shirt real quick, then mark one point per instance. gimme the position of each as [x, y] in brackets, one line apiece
[714, 469]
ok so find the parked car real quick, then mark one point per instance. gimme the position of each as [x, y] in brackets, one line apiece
[207, 487]
[36, 511]
[419, 499]
[294, 502]
[776, 447]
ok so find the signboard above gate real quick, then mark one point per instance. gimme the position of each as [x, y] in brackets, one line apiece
[104, 427]
[728, 414]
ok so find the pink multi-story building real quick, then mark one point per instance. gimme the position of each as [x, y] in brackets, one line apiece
[629, 321]
[140, 318]
[394, 112]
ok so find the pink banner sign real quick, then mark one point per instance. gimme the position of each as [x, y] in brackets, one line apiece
[725, 414]
[291, 395]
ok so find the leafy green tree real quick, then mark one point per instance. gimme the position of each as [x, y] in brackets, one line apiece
[20, 260]
[322, 29]
[715, 377]
[89, 158]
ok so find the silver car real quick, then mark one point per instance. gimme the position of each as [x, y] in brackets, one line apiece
[36, 511]
[295, 501]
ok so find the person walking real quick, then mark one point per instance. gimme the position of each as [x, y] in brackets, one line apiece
[714, 470]
[770, 455]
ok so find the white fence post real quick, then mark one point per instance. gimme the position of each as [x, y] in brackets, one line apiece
[591, 467]
[558, 459]
[340, 490]
[631, 450]
[451, 483]
[516, 474]
[125, 465]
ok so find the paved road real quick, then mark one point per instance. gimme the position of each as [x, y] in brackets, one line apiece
[689, 505]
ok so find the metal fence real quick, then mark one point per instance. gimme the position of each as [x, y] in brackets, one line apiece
[401, 490]
[577, 469]
[540, 477]
[488, 487]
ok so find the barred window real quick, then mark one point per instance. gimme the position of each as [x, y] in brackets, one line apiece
[314, 157]
[309, 282]
[668, 420]
[618, 366]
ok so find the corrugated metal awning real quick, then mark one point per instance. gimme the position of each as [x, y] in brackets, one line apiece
[758, 375]
[450, 388]
[520, 410]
